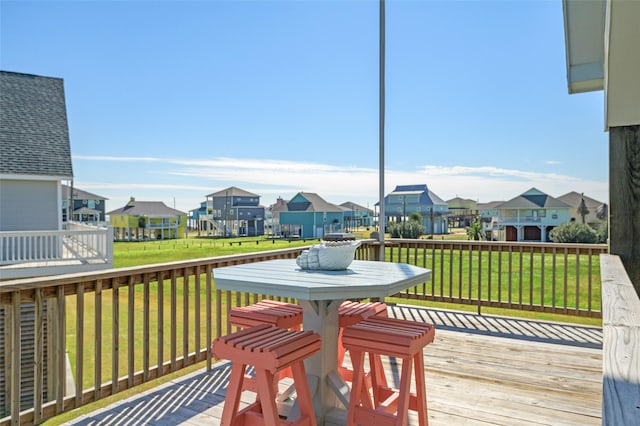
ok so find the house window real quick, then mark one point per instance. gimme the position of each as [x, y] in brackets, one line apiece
[542, 213]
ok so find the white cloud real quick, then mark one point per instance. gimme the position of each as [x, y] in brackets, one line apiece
[273, 178]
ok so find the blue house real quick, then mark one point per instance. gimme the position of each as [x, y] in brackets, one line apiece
[309, 216]
[356, 215]
[231, 212]
[407, 199]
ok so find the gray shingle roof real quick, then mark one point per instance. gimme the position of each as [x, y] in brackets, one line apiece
[533, 199]
[147, 208]
[233, 191]
[79, 194]
[34, 134]
[314, 203]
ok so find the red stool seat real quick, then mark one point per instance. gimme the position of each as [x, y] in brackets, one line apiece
[279, 314]
[398, 338]
[269, 350]
[350, 313]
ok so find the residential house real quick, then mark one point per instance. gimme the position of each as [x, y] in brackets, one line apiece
[594, 210]
[530, 216]
[35, 154]
[272, 217]
[462, 211]
[145, 220]
[407, 199]
[356, 216]
[233, 212]
[86, 207]
[309, 216]
[35, 158]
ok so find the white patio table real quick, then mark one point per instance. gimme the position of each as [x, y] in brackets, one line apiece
[320, 293]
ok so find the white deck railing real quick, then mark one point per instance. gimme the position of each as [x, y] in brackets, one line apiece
[78, 248]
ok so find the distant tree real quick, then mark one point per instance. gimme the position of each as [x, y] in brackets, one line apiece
[573, 232]
[415, 217]
[582, 209]
[602, 212]
[603, 232]
[411, 229]
[474, 231]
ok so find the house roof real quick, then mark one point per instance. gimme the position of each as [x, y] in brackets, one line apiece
[313, 203]
[573, 199]
[417, 190]
[79, 194]
[147, 208]
[234, 192]
[533, 199]
[86, 210]
[490, 205]
[350, 206]
[34, 134]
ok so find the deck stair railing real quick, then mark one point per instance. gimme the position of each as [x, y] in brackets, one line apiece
[69, 340]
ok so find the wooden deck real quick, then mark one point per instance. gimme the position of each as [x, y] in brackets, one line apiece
[481, 370]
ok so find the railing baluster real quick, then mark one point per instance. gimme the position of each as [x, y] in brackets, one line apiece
[208, 271]
[460, 273]
[566, 279]
[542, 284]
[97, 319]
[160, 327]
[174, 325]
[553, 279]
[499, 274]
[520, 285]
[79, 342]
[531, 268]
[115, 341]
[131, 326]
[479, 277]
[589, 290]
[197, 323]
[185, 316]
[145, 326]
[577, 280]
[510, 274]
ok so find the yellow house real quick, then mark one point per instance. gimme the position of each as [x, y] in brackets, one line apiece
[146, 220]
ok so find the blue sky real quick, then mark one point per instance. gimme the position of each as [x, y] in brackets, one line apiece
[170, 101]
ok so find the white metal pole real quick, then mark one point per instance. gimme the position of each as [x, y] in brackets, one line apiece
[381, 212]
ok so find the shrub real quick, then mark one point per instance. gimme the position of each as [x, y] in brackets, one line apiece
[409, 229]
[573, 232]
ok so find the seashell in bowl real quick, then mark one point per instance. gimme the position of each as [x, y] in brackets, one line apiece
[328, 255]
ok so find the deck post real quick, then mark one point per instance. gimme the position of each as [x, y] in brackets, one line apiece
[624, 198]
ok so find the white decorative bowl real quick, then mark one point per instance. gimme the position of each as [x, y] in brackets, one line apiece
[328, 255]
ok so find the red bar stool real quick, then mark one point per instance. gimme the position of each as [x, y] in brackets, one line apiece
[351, 313]
[279, 314]
[272, 312]
[269, 350]
[390, 337]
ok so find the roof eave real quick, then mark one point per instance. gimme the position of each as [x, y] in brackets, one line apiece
[584, 48]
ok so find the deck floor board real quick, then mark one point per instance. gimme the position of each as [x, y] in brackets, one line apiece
[480, 370]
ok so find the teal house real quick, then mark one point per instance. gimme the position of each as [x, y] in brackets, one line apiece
[310, 216]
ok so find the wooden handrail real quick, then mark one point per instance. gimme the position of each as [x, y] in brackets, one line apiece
[621, 345]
